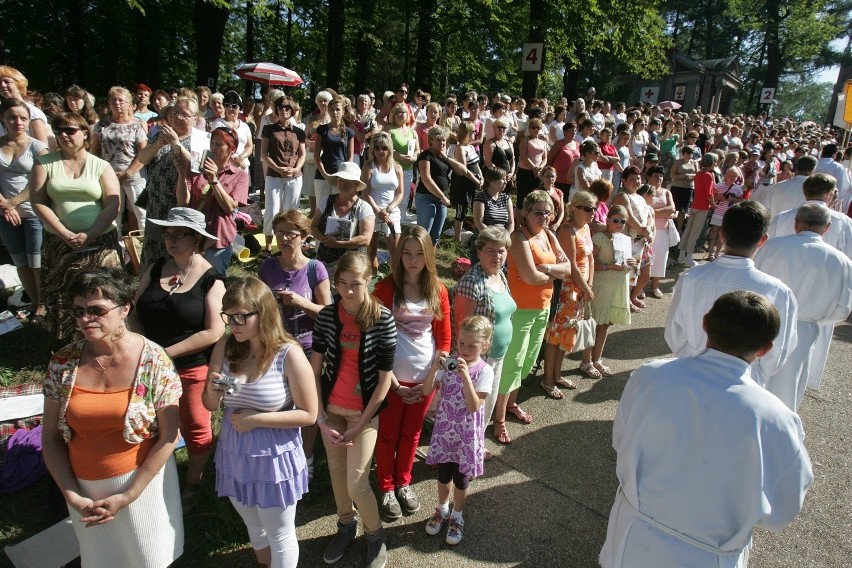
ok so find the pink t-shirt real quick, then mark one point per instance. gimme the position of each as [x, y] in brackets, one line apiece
[346, 392]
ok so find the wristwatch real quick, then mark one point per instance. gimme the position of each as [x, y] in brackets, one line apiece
[547, 269]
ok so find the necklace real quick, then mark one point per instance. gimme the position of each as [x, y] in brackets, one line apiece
[178, 279]
[101, 367]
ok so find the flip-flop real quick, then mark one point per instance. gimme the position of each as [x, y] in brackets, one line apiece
[565, 383]
[591, 371]
[551, 391]
[500, 433]
[519, 413]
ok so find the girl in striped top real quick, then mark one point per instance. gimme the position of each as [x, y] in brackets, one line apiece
[260, 464]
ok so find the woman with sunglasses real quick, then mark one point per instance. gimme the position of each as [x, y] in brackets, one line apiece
[264, 379]
[405, 142]
[498, 151]
[637, 228]
[283, 153]
[20, 228]
[385, 181]
[462, 189]
[110, 429]
[177, 306]
[233, 104]
[575, 294]
[76, 196]
[164, 156]
[535, 260]
[118, 139]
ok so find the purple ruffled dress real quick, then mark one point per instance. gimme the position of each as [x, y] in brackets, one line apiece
[458, 435]
[263, 467]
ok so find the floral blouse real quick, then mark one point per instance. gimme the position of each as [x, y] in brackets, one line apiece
[156, 386]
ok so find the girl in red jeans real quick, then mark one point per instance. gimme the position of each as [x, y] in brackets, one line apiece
[421, 309]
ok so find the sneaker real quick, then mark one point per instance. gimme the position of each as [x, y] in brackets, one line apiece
[337, 547]
[377, 551]
[408, 499]
[390, 506]
[436, 523]
[455, 532]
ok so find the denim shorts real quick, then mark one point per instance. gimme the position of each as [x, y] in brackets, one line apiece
[23, 242]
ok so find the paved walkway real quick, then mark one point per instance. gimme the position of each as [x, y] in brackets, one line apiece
[544, 500]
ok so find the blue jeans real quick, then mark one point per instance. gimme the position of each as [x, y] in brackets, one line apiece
[219, 258]
[431, 214]
[23, 242]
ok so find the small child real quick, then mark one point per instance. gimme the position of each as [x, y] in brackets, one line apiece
[458, 437]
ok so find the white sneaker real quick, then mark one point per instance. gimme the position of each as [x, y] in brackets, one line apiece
[690, 262]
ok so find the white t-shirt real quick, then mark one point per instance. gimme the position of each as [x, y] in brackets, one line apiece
[415, 343]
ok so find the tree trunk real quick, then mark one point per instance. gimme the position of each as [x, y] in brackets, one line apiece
[423, 70]
[363, 49]
[774, 55]
[406, 54]
[334, 43]
[76, 43]
[247, 89]
[535, 34]
[756, 79]
[289, 55]
[844, 75]
[209, 27]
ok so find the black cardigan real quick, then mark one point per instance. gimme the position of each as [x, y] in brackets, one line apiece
[376, 352]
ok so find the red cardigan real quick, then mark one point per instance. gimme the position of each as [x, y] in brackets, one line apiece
[441, 328]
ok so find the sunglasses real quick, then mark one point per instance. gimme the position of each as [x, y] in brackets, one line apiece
[541, 212]
[232, 106]
[177, 235]
[236, 319]
[585, 208]
[288, 109]
[618, 221]
[68, 130]
[94, 311]
[380, 148]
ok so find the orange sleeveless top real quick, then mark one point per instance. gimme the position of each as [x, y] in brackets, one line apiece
[97, 449]
[528, 296]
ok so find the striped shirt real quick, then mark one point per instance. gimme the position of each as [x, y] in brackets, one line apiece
[376, 352]
[269, 393]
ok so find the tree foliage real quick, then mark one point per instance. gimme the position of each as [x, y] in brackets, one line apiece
[438, 45]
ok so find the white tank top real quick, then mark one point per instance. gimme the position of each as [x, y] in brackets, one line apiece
[382, 186]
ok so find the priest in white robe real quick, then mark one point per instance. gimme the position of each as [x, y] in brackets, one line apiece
[788, 194]
[821, 279]
[704, 453]
[743, 232]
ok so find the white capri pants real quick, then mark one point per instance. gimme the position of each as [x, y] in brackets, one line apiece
[274, 528]
[282, 194]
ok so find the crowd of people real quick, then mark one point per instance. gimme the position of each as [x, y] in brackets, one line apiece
[567, 234]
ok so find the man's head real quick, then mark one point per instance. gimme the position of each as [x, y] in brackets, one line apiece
[744, 228]
[820, 186]
[805, 165]
[743, 324]
[813, 217]
[828, 151]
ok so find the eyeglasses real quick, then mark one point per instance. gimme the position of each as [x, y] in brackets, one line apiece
[287, 234]
[94, 311]
[541, 212]
[232, 106]
[177, 235]
[182, 115]
[585, 208]
[236, 319]
[67, 130]
[618, 221]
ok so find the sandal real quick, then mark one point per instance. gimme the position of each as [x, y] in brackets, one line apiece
[189, 496]
[566, 383]
[519, 413]
[603, 369]
[500, 433]
[638, 303]
[591, 370]
[551, 391]
[711, 257]
[657, 293]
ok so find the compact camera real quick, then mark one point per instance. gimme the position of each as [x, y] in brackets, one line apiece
[450, 364]
[231, 385]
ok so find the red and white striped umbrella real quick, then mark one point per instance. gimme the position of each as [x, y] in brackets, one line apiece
[269, 73]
